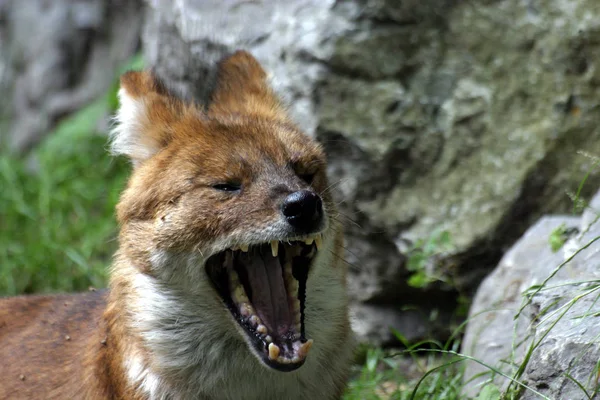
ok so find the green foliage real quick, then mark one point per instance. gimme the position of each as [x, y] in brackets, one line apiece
[489, 392]
[385, 376]
[57, 225]
[580, 204]
[426, 252]
[558, 237]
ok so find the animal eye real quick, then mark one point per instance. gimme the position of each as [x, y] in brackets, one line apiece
[308, 178]
[228, 187]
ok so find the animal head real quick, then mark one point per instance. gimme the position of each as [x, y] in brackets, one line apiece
[236, 188]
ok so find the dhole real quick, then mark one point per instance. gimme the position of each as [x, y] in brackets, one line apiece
[228, 283]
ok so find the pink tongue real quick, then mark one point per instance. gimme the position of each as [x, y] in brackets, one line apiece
[269, 296]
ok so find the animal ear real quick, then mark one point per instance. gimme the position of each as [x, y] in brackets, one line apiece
[242, 88]
[146, 112]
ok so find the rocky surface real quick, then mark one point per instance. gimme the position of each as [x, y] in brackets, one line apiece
[452, 116]
[561, 318]
[56, 56]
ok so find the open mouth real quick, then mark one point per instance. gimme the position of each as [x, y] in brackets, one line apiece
[264, 287]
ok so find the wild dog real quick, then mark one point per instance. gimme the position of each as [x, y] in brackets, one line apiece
[229, 281]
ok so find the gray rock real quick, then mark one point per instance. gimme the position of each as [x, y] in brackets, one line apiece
[57, 56]
[562, 317]
[436, 115]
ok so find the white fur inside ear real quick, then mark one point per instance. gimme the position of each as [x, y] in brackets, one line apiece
[127, 137]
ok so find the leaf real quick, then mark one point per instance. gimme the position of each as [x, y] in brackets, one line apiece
[489, 392]
[558, 238]
[418, 280]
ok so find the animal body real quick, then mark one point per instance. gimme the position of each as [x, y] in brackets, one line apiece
[228, 282]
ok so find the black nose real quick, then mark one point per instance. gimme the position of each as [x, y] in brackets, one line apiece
[303, 210]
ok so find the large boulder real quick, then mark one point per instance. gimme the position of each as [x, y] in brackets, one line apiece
[548, 300]
[437, 116]
[55, 57]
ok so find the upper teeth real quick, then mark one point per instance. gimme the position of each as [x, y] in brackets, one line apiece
[319, 242]
[317, 239]
[274, 247]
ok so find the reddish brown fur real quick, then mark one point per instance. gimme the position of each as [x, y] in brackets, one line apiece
[71, 346]
[46, 342]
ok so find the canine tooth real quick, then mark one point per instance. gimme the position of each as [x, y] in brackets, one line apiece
[305, 348]
[254, 320]
[244, 247]
[273, 351]
[319, 241]
[268, 338]
[261, 329]
[274, 247]
[309, 241]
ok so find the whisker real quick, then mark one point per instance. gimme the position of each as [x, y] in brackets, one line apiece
[337, 204]
[350, 251]
[341, 214]
[344, 221]
[364, 230]
[333, 185]
[345, 261]
[112, 239]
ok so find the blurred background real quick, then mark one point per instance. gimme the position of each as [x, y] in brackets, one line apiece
[450, 127]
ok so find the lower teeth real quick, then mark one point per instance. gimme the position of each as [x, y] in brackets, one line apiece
[249, 315]
[273, 351]
[302, 352]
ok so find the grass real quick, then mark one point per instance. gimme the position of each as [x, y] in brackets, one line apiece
[58, 231]
[57, 225]
[57, 221]
[439, 375]
[409, 374]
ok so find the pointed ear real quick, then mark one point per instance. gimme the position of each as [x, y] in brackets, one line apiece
[242, 89]
[146, 111]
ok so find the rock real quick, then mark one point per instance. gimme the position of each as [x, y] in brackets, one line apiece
[436, 116]
[57, 56]
[562, 316]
